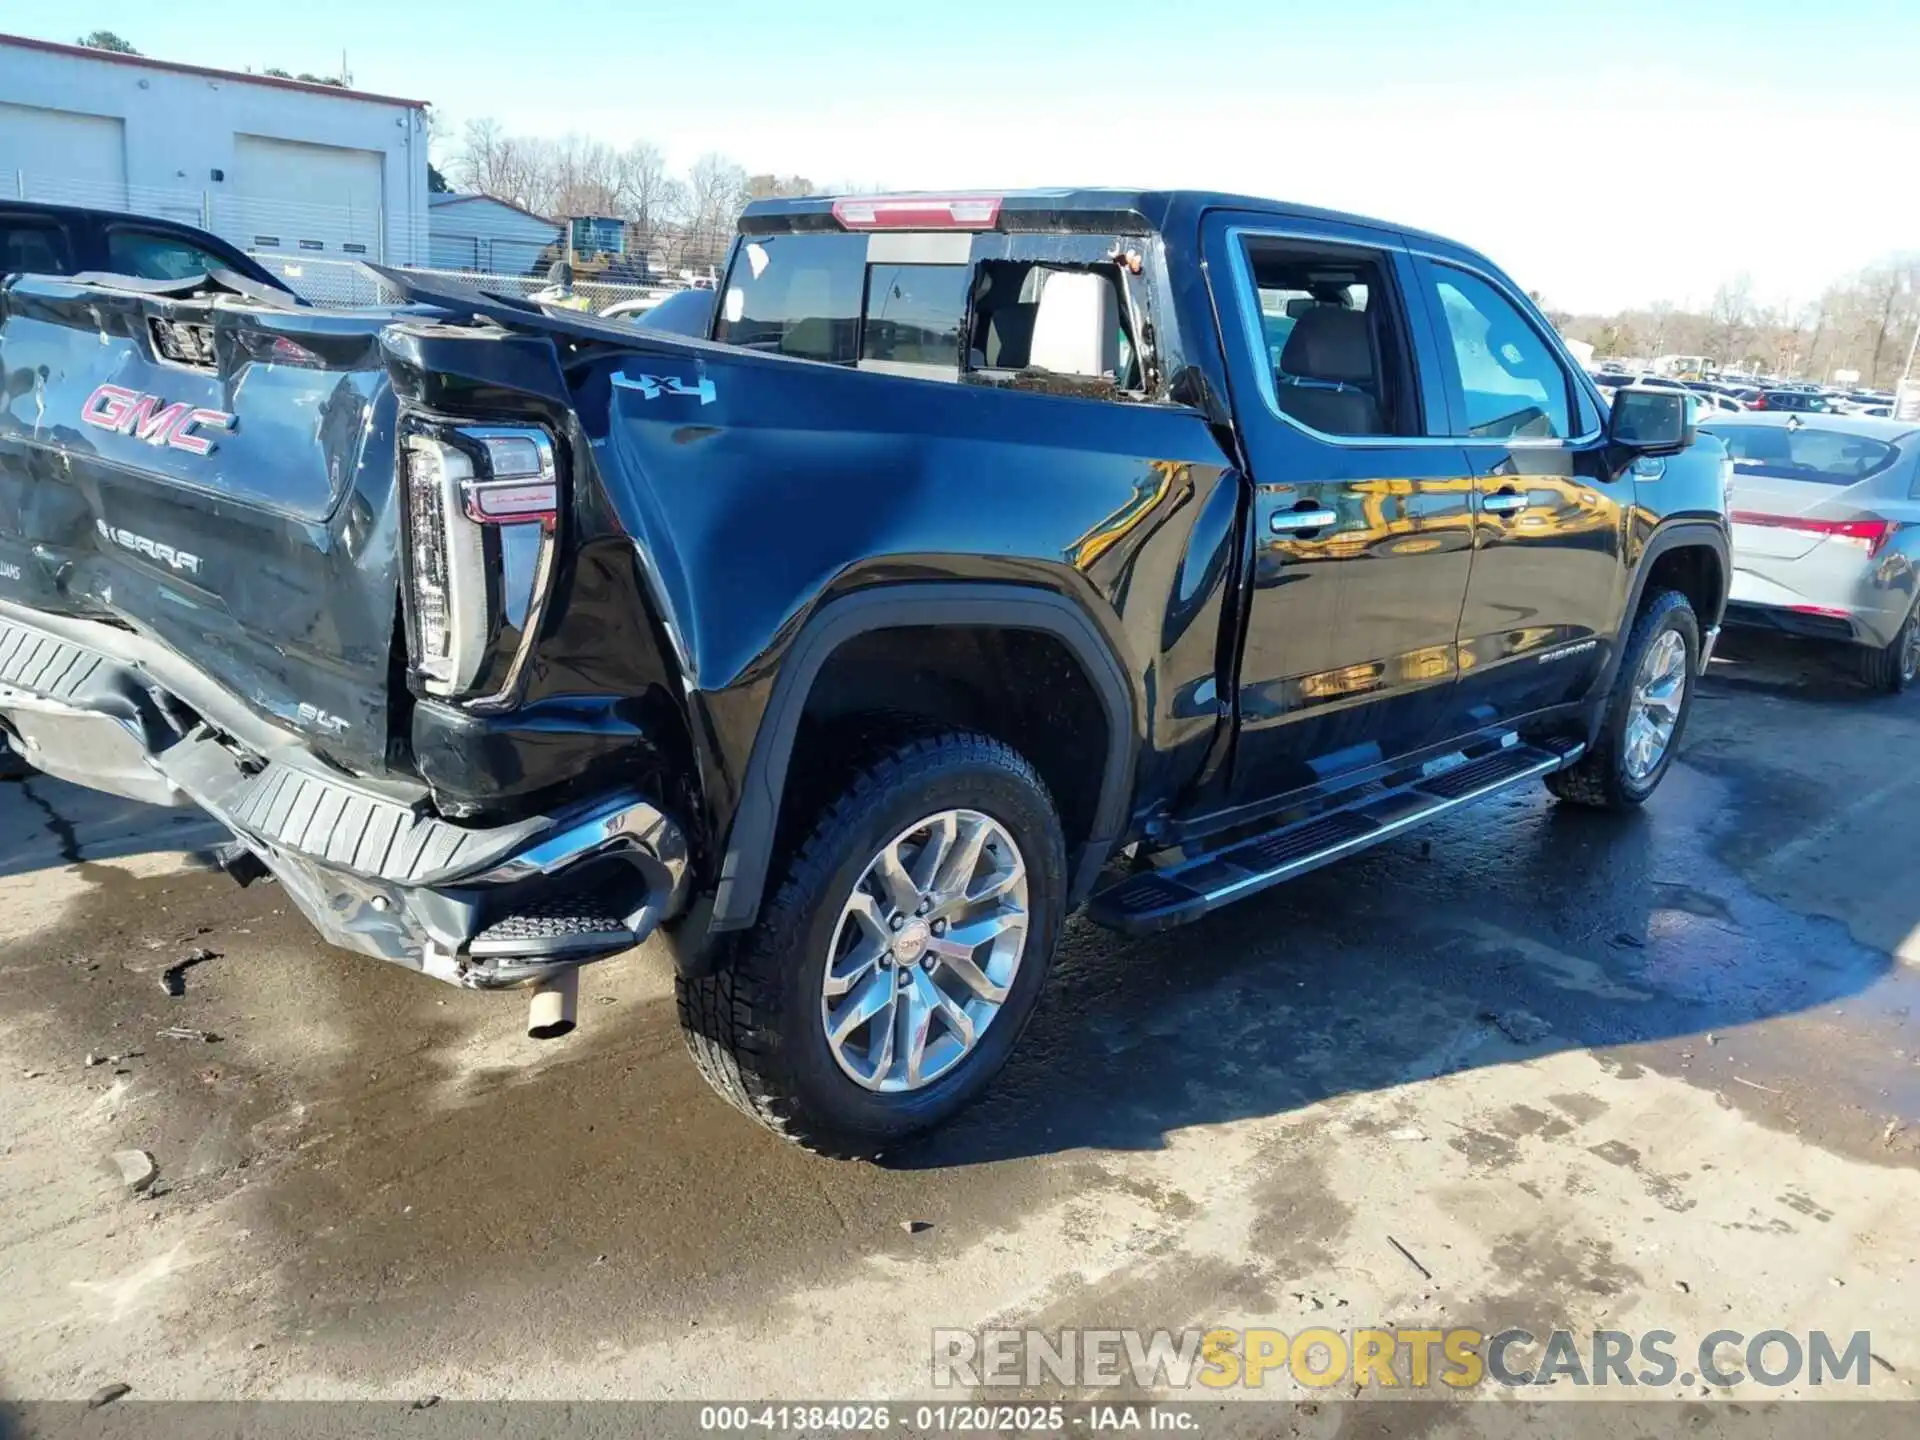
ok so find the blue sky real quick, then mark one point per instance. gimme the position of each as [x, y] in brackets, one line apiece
[1607, 152]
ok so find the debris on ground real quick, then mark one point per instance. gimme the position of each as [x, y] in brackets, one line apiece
[426, 1402]
[916, 1227]
[173, 979]
[1409, 1257]
[1631, 942]
[1520, 1026]
[107, 1394]
[94, 1058]
[1683, 1287]
[187, 1032]
[1408, 1134]
[136, 1168]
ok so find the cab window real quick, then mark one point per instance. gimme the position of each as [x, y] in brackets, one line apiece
[1330, 335]
[797, 295]
[35, 247]
[152, 255]
[1513, 385]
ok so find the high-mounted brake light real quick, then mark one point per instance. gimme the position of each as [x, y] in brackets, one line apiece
[918, 212]
[1869, 535]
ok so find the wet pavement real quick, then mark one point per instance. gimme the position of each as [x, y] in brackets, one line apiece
[1651, 1071]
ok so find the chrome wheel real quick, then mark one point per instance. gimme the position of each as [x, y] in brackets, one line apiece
[925, 951]
[1910, 649]
[1659, 690]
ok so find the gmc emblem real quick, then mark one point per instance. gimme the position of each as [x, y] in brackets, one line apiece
[148, 418]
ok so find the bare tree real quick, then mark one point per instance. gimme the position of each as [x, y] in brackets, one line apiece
[1730, 320]
[649, 196]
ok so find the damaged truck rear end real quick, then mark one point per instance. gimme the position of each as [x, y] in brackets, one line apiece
[453, 750]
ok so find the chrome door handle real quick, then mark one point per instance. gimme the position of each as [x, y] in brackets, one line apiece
[1284, 521]
[1504, 503]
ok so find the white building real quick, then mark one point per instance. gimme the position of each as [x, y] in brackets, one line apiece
[270, 164]
[484, 232]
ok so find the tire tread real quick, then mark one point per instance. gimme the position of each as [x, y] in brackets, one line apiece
[1594, 780]
[731, 1015]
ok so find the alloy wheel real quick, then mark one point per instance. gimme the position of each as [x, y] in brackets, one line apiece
[925, 951]
[1659, 691]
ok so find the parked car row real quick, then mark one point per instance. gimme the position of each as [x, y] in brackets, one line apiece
[1729, 395]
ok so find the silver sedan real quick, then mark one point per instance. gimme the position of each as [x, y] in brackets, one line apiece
[1826, 533]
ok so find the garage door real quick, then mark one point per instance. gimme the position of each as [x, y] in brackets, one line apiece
[291, 196]
[63, 157]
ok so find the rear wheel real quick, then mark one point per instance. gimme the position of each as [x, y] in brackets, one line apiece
[1646, 711]
[895, 966]
[1891, 668]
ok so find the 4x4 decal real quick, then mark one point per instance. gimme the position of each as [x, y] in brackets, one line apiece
[654, 386]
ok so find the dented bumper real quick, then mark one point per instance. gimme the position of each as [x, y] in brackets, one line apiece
[369, 864]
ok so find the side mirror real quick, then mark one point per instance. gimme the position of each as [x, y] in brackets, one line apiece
[1650, 422]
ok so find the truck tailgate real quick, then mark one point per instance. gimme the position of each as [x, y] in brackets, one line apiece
[218, 478]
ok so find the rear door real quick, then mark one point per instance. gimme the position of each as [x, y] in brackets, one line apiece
[220, 480]
[1550, 509]
[1362, 527]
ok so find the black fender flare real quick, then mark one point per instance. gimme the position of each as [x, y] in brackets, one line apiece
[749, 853]
[1670, 535]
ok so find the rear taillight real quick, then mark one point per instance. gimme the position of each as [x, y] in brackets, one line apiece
[918, 212]
[473, 494]
[1869, 535]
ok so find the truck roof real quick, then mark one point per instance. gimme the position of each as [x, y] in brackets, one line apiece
[1071, 207]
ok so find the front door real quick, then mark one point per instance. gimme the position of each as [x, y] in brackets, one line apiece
[1362, 521]
[1550, 505]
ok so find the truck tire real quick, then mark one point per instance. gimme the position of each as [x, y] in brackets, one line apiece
[769, 1026]
[1620, 770]
[1891, 668]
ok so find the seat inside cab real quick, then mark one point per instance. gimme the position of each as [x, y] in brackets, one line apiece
[1035, 317]
[1324, 343]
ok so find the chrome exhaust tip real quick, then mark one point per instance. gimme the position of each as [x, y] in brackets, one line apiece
[554, 1009]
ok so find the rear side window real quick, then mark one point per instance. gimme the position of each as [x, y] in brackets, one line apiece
[1513, 384]
[1805, 452]
[797, 295]
[35, 247]
[152, 255]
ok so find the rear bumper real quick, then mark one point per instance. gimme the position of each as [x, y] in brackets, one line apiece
[1807, 624]
[1843, 600]
[369, 866]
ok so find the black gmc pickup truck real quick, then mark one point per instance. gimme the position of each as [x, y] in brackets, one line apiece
[991, 557]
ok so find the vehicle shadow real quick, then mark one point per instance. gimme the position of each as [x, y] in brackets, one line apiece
[1513, 930]
[47, 823]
